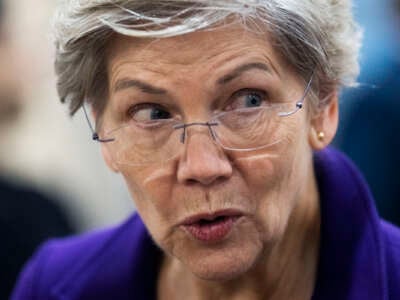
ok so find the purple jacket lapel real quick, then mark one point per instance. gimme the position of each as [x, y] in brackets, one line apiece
[124, 268]
[352, 262]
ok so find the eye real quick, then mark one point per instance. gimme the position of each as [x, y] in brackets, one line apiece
[247, 99]
[253, 100]
[148, 112]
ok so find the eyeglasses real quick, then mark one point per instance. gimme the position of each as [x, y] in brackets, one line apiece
[244, 129]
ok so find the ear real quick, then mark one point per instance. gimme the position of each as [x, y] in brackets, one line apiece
[324, 124]
[108, 159]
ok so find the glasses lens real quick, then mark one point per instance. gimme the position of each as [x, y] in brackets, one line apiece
[137, 146]
[241, 129]
[250, 128]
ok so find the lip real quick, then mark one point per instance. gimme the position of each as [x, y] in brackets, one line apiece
[211, 227]
[210, 216]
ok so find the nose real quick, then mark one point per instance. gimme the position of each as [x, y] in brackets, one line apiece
[202, 161]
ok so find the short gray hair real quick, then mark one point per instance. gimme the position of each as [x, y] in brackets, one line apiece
[312, 35]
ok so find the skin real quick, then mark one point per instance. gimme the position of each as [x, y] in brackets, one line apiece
[272, 250]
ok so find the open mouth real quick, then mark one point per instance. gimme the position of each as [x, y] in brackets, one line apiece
[217, 220]
[211, 228]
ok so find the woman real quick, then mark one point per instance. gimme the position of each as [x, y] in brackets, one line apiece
[211, 111]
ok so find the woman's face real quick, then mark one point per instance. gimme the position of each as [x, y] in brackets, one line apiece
[215, 210]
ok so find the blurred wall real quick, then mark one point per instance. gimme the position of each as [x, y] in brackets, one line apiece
[381, 36]
[44, 147]
[370, 113]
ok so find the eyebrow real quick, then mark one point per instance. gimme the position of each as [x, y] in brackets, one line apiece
[127, 83]
[241, 69]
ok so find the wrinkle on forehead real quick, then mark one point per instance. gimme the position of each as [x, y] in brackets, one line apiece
[193, 51]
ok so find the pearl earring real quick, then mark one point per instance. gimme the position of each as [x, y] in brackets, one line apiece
[321, 135]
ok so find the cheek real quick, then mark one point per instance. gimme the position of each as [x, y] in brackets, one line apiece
[275, 176]
[268, 178]
[269, 168]
[151, 190]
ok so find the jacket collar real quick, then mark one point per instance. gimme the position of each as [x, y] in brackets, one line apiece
[351, 264]
[124, 266]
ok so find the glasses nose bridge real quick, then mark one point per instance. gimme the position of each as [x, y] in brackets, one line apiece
[184, 127]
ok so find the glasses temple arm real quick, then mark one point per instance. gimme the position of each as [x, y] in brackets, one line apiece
[299, 104]
[95, 135]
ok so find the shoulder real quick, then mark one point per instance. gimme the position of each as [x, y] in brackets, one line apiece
[59, 261]
[391, 240]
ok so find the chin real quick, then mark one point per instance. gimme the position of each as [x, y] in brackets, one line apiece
[225, 260]
[225, 263]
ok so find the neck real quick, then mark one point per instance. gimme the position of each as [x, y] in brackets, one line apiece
[289, 268]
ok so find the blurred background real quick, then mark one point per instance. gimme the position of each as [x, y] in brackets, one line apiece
[370, 114]
[52, 179]
[40, 144]
[42, 148]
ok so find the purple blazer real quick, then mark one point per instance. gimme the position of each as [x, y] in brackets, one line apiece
[359, 253]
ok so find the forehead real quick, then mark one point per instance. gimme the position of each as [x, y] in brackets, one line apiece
[207, 50]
